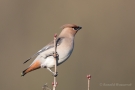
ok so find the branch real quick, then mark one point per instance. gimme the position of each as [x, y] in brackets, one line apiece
[55, 58]
[89, 77]
[45, 87]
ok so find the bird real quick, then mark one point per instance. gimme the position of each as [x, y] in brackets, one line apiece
[65, 45]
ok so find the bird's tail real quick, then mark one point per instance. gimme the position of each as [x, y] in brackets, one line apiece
[23, 72]
[34, 66]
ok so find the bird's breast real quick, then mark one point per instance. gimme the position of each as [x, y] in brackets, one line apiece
[65, 52]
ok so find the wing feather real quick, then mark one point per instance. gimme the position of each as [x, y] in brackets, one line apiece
[47, 47]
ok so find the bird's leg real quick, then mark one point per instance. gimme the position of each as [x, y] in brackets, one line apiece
[50, 70]
[55, 74]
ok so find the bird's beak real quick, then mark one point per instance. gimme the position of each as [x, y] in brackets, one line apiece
[79, 27]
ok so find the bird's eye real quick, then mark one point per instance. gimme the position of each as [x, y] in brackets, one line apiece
[77, 28]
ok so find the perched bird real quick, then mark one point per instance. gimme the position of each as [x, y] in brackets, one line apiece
[65, 45]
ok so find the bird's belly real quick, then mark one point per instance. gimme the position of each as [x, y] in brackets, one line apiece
[49, 62]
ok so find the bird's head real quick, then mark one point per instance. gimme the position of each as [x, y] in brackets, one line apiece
[73, 26]
[71, 29]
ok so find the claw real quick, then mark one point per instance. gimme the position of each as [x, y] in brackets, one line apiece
[57, 55]
[55, 74]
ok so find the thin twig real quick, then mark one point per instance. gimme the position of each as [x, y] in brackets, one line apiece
[89, 77]
[45, 87]
[55, 58]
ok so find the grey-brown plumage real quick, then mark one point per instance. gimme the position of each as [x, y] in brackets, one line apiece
[65, 45]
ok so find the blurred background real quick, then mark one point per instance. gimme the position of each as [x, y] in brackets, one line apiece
[104, 48]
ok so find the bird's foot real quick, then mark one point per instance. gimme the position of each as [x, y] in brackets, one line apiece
[55, 54]
[55, 74]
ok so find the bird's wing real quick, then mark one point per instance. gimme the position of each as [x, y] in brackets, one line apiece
[50, 45]
[47, 47]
